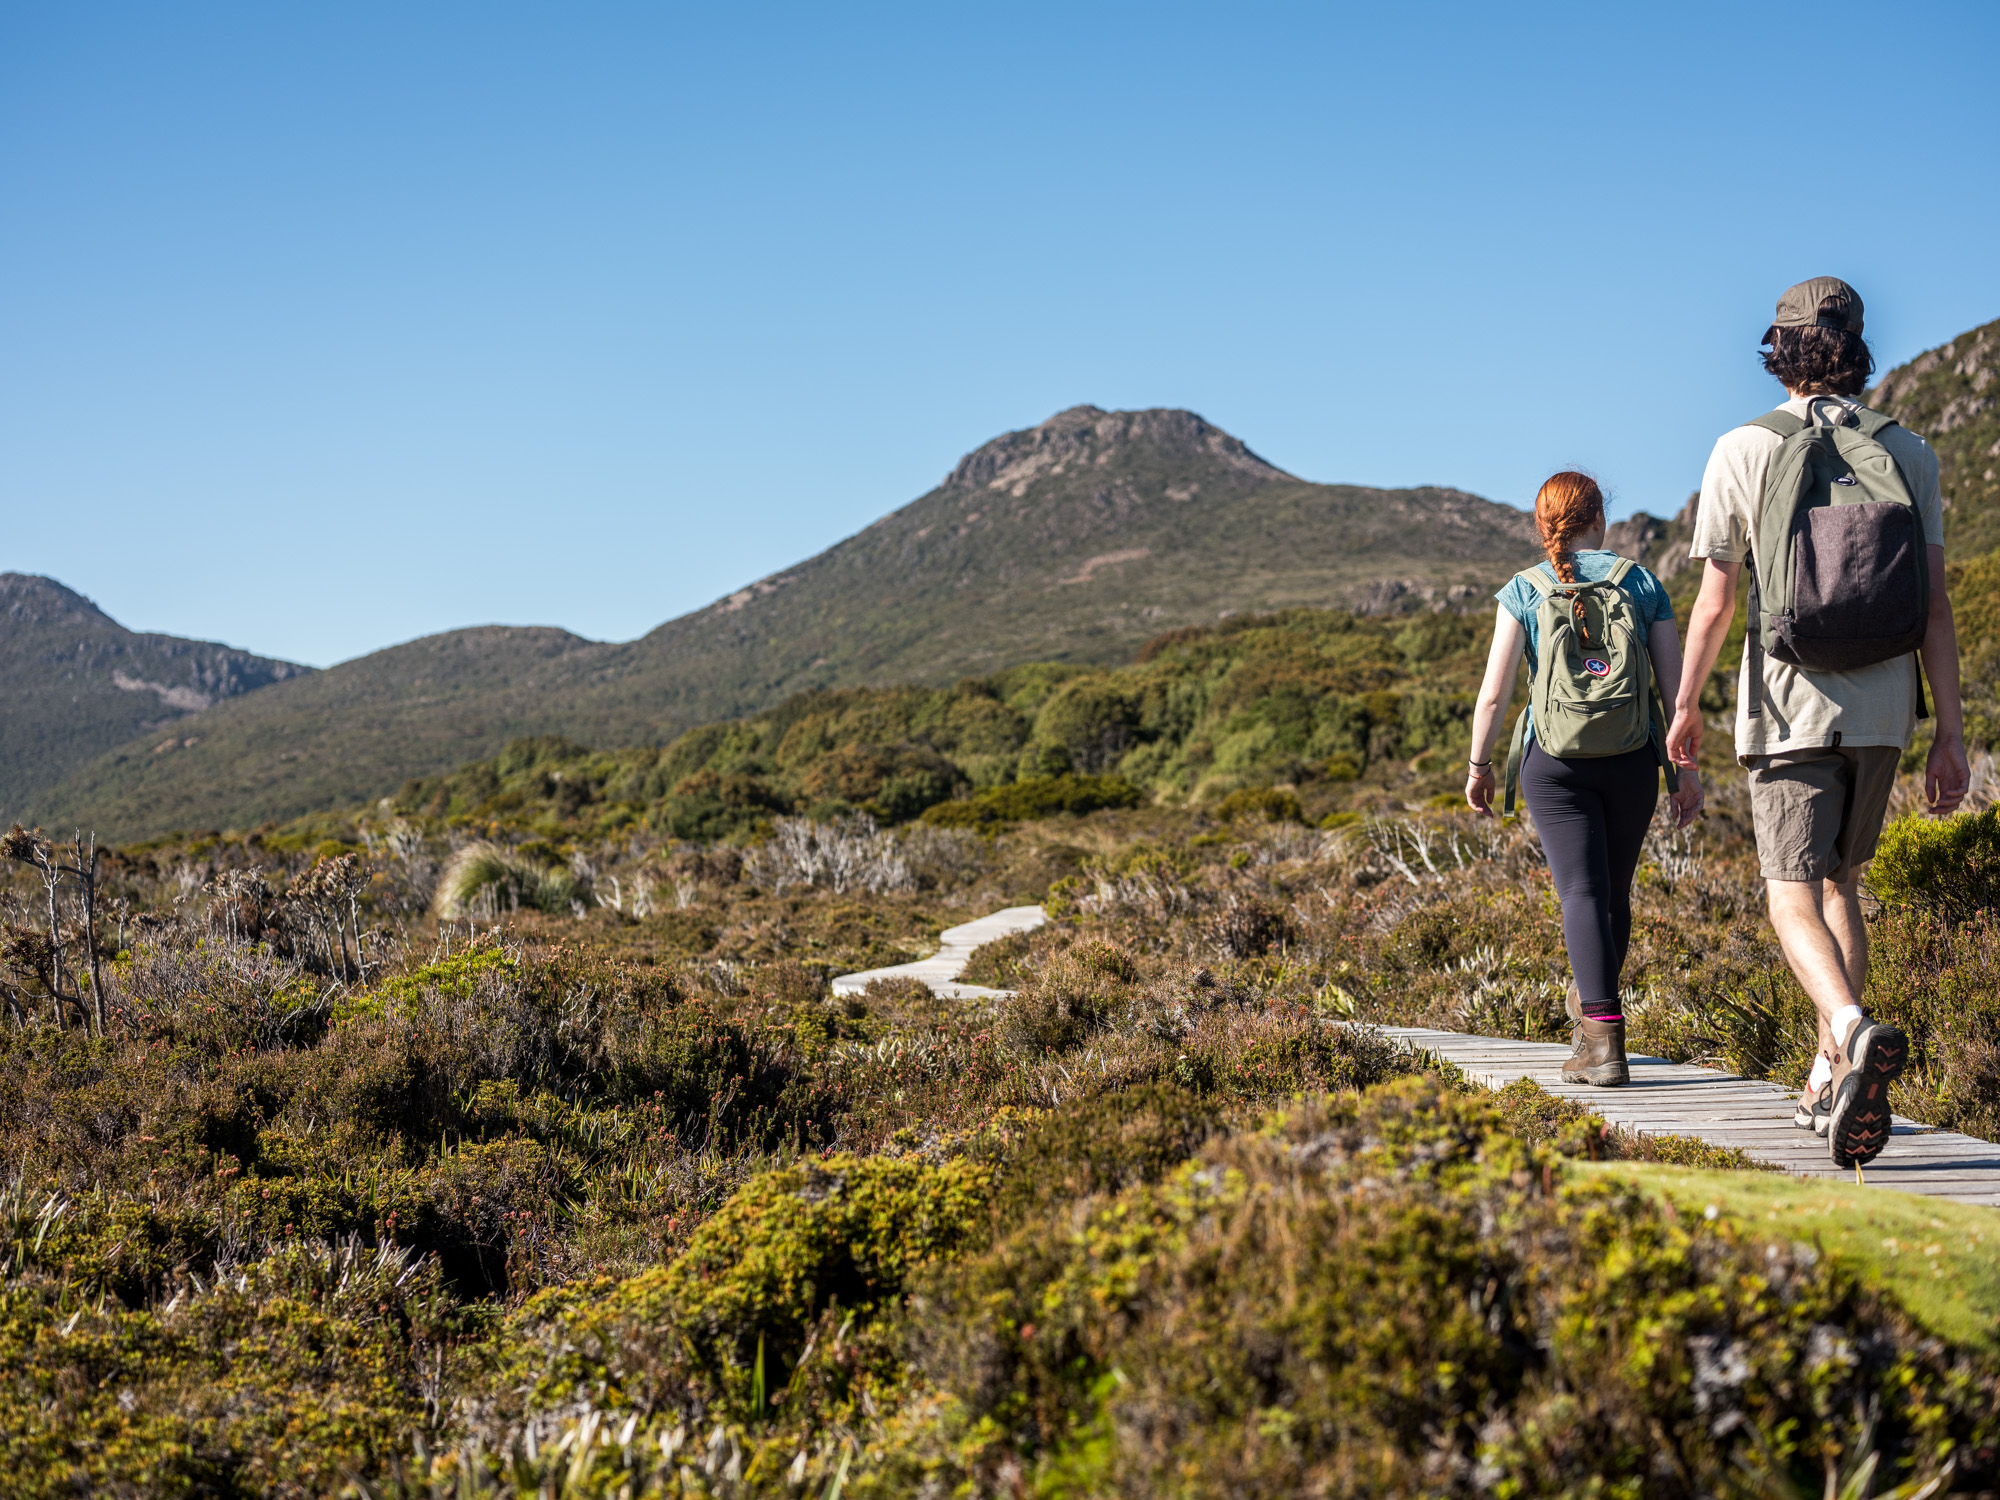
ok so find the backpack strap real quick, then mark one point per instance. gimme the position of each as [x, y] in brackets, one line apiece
[1782, 422]
[1872, 423]
[1515, 754]
[1619, 569]
[1538, 581]
[1656, 731]
[1785, 424]
[1753, 645]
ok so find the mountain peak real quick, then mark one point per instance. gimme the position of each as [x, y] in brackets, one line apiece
[30, 599]
[1090, 435]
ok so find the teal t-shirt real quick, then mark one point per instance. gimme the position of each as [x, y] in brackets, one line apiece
[1649, 598]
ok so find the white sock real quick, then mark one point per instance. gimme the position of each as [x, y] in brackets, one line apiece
[1845, 1020]
[1821, 1075]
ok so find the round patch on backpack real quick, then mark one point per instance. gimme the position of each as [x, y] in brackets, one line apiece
[1596, 668]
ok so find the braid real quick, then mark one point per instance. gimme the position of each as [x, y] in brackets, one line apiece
[1568, 505]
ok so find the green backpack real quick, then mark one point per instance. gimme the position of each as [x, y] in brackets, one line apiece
[1593, 692]
[1840, 577]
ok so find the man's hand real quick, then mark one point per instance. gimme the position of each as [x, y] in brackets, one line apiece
[1687, 799]
[1684, 736]
[1947, 777]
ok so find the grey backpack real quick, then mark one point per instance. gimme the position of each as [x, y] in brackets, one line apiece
[1840, 576]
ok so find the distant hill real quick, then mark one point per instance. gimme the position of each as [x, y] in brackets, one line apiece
[1074, 541]
[77, 683]
[1951, 395]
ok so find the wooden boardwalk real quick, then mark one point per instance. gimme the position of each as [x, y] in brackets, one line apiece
[1663, 1098]
[1666, 1098]
[941, 970]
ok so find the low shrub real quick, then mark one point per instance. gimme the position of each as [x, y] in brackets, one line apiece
[844, 1232]
[1035, 797]
[1946, 865]
[1068, 999]
[486, 877]
[1392, 1295]
[1269, 804]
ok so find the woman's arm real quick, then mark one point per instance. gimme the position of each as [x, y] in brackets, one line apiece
[1503, 663]
[1663, 644]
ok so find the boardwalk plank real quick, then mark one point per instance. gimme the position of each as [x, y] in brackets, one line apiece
[1667, 1098]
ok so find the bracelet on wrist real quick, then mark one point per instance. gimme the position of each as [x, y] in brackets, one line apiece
[1480, 765]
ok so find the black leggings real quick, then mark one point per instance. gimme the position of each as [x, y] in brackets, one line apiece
[1592, 816]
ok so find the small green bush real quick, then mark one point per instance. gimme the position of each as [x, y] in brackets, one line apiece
[1946, 865]
[513, 876]
[1035, 797]
[1270, 804]
[1069, 999]
[844, 1232]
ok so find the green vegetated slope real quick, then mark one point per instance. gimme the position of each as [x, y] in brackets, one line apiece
[326, 741]
[1319, 703]
[1951, 394]
[77, 683]
[1073, 541]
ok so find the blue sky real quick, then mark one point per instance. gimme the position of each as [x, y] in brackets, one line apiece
[326, 327]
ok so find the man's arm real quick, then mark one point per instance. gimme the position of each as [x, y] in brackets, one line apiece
[1708, 627]
[1946, 775]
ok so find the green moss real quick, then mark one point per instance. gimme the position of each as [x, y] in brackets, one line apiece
[1939, 1259]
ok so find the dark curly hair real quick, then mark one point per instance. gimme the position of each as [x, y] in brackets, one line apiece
[1822, 360]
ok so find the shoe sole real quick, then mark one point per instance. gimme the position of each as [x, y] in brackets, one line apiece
[1603, 1076]
[1858, 1127]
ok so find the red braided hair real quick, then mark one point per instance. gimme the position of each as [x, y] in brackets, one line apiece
[1567, 505]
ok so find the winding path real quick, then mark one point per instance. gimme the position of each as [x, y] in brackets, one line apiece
[1663, 1098]
[941, 970]
[1666, 1098]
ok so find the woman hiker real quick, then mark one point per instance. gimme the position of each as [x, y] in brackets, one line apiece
[1594, 800]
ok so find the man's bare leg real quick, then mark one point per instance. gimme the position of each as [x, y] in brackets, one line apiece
[1840, 908]
[1825, 966]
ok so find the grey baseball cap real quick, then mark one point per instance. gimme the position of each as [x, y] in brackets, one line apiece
[1800, 306]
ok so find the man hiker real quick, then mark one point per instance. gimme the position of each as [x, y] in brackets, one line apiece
[1832, 515]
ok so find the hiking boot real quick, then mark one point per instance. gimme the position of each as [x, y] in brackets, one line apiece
[1815, 1109]
[1598, 1055]
[1857, 1126]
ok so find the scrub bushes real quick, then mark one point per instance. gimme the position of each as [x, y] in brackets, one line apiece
[504, 880]
[1950, 866]
[1392, 1296]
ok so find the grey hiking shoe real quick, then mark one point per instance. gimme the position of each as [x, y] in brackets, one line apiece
[1857, 1126]
[1815, 1109]
[1598, 1054]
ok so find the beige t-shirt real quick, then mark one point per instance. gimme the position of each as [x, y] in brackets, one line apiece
[1804, 709]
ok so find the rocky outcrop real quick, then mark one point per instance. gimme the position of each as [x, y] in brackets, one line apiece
[1089, 435]
[1661, 545]
[1951, 395]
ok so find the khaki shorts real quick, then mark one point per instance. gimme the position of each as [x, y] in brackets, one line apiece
[1819, 812]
